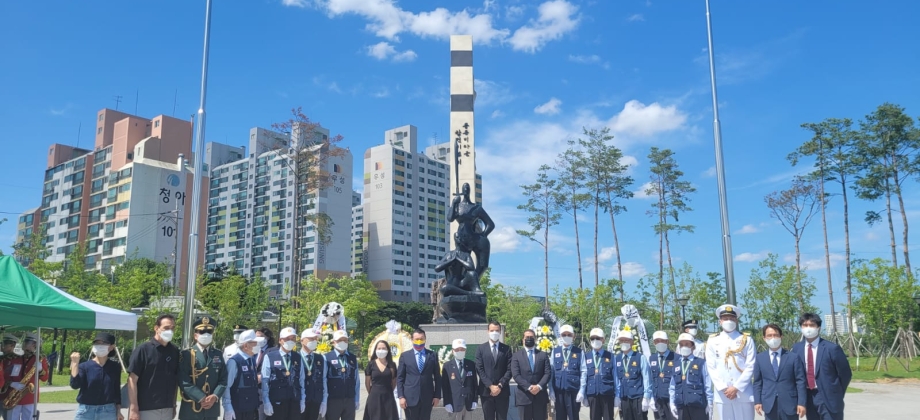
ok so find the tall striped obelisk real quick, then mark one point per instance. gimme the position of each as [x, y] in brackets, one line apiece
[462, 97]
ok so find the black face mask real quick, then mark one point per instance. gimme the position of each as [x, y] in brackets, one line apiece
[529, 342]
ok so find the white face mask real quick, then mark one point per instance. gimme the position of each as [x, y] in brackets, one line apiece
[685, 351]
[101, 350]
[312, 345]
[494, 335]
[774, 342]
[661, 347]
[596, 344]
[809, 332]
[167, 335]
[382, 354]
[341, 345]
[567, 340]
[692, 331]
[205, 339]
[459, 355]
[236, 337]
[289, 345]
[260, 341]
[729, 326]
[625, 346]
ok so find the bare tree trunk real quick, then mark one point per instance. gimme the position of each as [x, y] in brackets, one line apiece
[661, 231]
[616, 247]
[597, 204]
[798, 273]
[846, 237]
[904, 232]
[667, 248]
[577, 240]
[827, 256]
[546, 259]
[894, 247]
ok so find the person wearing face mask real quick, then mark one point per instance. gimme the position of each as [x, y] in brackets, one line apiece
[154, 375]
[569, 376]
[7, 347]
[99, 382]
[532, 372]
[342, 380]
[692, 327]
[202, 374]
[633, 379]
[827, 372]
[230, 350]
[314, 366]
[690, 391]
[730, 359]
[493, 364]
[241, 401]
[460, 383]
[661, 367]
[29, 358]
[380, 382]
[601, 379]
[283, 394]
[418, 379]
[779, 379]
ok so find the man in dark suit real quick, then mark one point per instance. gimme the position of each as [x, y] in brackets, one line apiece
[493, 364]
[460, 383]
[418, 379]
[779, 379]
[531, 370]
[827, 371]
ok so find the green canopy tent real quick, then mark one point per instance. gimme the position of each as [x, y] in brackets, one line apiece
[27, 302]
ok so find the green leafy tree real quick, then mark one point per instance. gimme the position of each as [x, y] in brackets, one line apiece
[767, 298]
[794, 208]
[32, 253]
[513, 307]
[79, 280]
[585, 308]
[133, 284]
[543, 208]
[571, 190]
[356, 295]
[884, 299]
[609, 185]
[672, 194]
[703, 296]
[412, 314]
[232, 299]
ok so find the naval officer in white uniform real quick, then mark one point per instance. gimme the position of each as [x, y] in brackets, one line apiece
[730, 357]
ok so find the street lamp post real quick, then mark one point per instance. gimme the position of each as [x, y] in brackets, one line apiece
[682, 301]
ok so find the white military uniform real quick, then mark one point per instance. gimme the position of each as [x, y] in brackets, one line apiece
[730, 360]
[230, 351]
[699, 349]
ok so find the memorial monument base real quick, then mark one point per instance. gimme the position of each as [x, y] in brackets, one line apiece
[462, 309]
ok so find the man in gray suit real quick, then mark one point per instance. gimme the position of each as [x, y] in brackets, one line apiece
[531, 369]
[779, 379]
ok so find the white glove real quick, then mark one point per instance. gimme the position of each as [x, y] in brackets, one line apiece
[268, 410]
[229, 415]
[584, 402]
[552, 402]
[674, 410]
[644, 404]
[17, 386]
[39, 366]
[474, 406]
[616, 402]
[653, 406]
[357, 405]
[580, 397]
[449, 408]
[322, 410]
[303, 406]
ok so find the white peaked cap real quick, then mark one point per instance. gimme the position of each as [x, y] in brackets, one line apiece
[287, 332]
[685, 337]
[309, 333]
[597, 332]
[624, 334]
[246, 336]
[567, 328]
[459, 343]
[339, 334]
[660, 334]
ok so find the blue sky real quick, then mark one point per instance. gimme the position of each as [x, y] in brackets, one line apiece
[543, 68]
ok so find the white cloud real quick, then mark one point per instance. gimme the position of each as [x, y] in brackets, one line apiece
[294, 3]
[746, 229]
[505, 239]
[549, 108]
[632, 269]
[642, 191]
[57, 112]
[381, 93]
[871, 236]
[638, 119]
[585, 59]
[815, 262]
[751, 256]
[514, 12]
[489, 93]
[384, 50]
[497, 114]
[636, 18]
[710, 173]
[557, 17]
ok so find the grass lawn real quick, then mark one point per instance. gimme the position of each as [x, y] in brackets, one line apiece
[896, 371]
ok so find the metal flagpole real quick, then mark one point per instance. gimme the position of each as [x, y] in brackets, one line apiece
[720, 172]
[198, 164]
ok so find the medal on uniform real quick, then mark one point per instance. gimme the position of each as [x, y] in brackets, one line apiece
[596, 371]
[343, 370]
[627, 374]
[683, 377]
[661, 375]
[287, 373]
[565, 365]
[309, 373]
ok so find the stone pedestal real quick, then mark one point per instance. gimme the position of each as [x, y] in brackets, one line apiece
[462, 309]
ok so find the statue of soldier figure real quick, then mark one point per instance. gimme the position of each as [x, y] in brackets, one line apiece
[462, 274]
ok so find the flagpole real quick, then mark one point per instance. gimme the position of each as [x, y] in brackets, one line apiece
[720, 172]
[198, 164]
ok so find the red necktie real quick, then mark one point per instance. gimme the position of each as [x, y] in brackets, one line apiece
[810, 369]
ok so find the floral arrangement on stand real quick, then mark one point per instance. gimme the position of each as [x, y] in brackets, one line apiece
[325, 340]
[330, 319]
[397, 335]
[445, 354]
[545, 337]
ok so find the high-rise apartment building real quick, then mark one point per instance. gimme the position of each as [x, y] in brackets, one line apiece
[441, 152]
[405, 202]
[125, 198]
[357, 235]
[251, 214]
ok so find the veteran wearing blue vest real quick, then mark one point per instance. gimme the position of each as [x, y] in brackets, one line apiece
[314, 365]
[690, 389]
[661, 366]
[342, 380]
[283, 396]
[241, 401]
[601, 379]
[569, 376]
[633, 380]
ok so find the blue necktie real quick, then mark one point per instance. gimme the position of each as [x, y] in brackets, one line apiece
[775, 364]
[530, 358]
[421, 362]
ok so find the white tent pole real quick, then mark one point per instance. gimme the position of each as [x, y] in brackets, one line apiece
[38, 361]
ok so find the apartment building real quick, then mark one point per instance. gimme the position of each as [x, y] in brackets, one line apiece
[357, 235]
